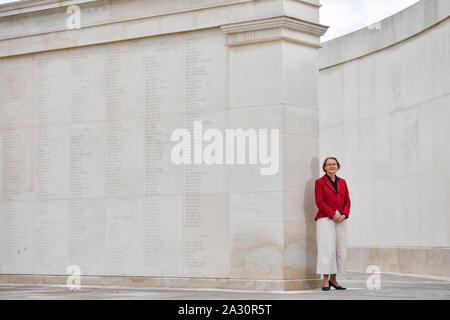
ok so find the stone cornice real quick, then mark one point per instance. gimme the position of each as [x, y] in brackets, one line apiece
[29, 6]
[109, 21]
[311, 3]
[271, 29]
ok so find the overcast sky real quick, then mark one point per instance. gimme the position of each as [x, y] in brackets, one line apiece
[344, 16]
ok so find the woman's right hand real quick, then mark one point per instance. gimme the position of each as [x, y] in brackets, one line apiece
[336, 218]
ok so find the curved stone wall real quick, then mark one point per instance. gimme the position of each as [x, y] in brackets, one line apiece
[384, 112]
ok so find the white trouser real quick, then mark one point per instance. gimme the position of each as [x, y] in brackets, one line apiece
[331, 246]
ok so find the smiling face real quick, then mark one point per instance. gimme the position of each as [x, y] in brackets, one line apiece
[331, 167]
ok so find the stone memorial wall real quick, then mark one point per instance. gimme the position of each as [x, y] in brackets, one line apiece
[87, 122]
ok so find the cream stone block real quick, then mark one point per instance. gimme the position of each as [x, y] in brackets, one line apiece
[380, 152]
[441, 219]
[91, 35]
[411, 216]
[86, 235]
[404, 142]
[116, 281]
[258, 206]
[205, 65]
[417, 89]
[124, 157]
[125, 10]
[439, 65]
[386, 82]
[206, 235]
[52, 162]
[87, 153]
[162, 227]
[248, 178]
[174, 23]
[212, 178]
[1, 166]
[288, 119]
[10, 26]
[18, 164]
[50, 229]
[54, 19]
[87, 84]
[367, 221]
[93, 12]
[301, 121]
[399, 213]
[299, 162]
[52, 71]
[300, 250]
[1, 97]
[331, 95]
[4, 48]
[300, 65]
[367, 141]
[425, 260]
[124, 85]
[448, 203]
[123, 236]
[25, 278]
[162, 62]
[16, 240]
[351, 150]
[254, 77]
[357, 215]
[268, 8]
[425, 130]
[332, 142]
[441, 133]
[427, 207]
[257, 250]
[245, 117]
[17, 87]
[161, 175]
[381, 221]
[305, 10]
[367, 87]
[300, 206]
[350, 87]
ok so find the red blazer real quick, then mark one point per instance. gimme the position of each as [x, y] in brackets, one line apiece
[328, 200]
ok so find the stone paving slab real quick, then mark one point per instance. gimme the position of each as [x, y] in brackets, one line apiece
[393, 287]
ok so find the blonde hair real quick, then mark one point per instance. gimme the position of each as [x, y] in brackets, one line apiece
[330, 158]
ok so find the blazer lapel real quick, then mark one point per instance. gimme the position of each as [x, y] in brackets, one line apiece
[328, 183]
[340, 186]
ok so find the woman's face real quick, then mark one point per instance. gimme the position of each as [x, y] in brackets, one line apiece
[331, 166]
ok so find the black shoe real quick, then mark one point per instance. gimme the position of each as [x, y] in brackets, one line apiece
[336, 287]
[326, 288]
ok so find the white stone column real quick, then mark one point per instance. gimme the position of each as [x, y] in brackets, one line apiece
[273, 77]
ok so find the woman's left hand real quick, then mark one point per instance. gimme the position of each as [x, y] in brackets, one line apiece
[342, 218]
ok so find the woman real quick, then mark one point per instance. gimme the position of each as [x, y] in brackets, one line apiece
[333, 201]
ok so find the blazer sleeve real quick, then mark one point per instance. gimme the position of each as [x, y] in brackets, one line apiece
[347, 202]
[323, 207]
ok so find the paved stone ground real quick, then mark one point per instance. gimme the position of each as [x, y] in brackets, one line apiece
[393, 286]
